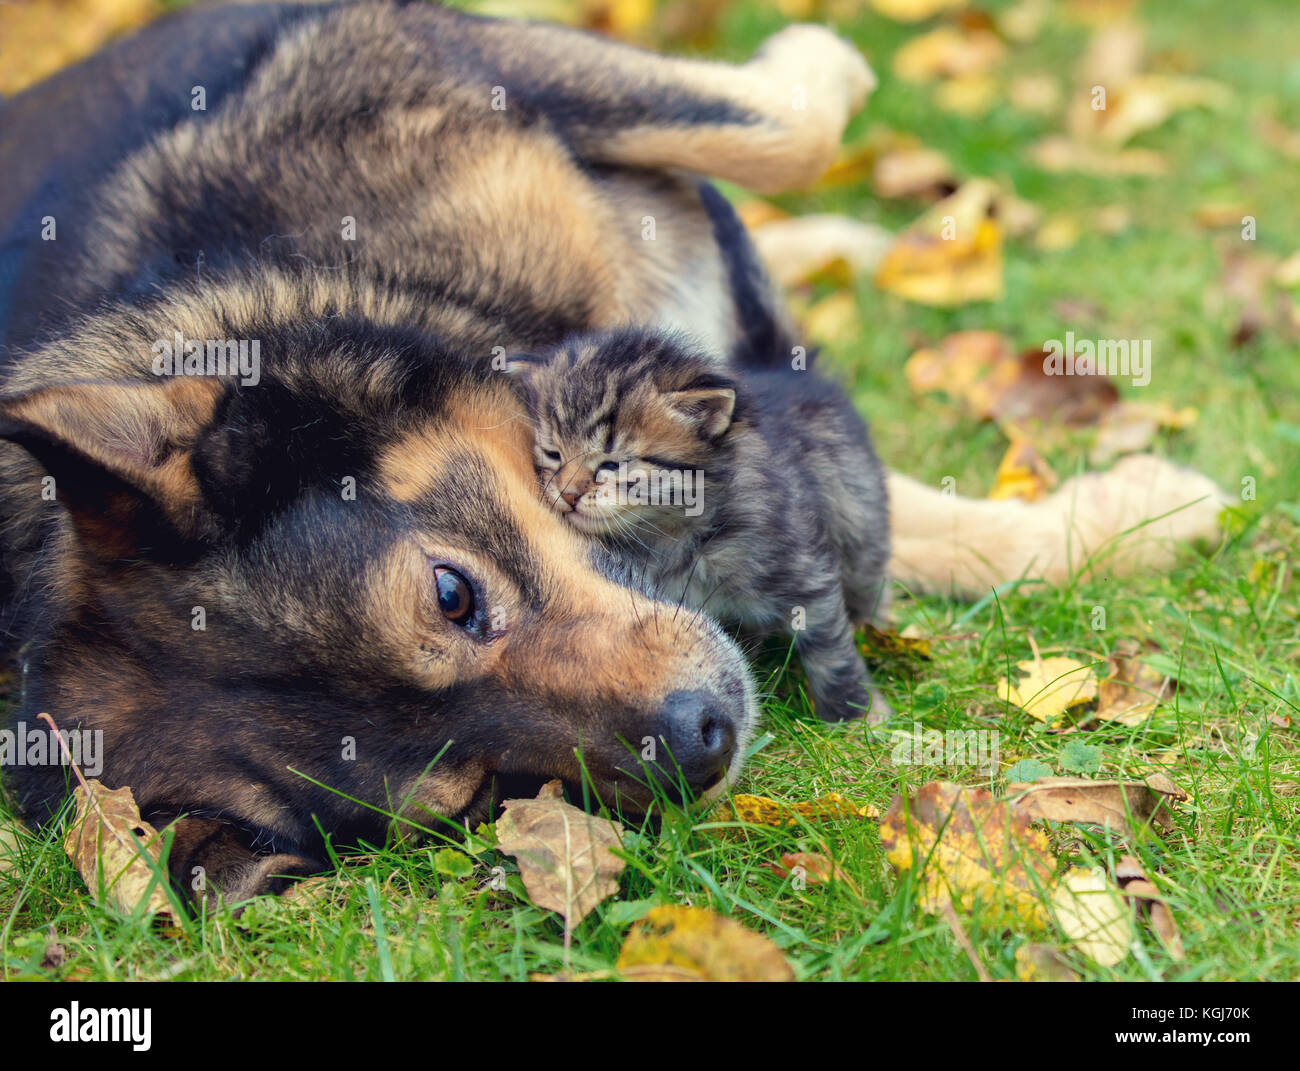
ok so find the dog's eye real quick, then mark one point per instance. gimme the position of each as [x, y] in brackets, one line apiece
[552, 456]
[455, 596]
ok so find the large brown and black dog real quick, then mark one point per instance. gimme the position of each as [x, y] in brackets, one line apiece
[309, 593]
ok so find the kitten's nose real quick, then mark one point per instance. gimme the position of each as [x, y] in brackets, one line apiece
[571, 497]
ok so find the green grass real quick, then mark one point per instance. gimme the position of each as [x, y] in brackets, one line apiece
[1228, 622]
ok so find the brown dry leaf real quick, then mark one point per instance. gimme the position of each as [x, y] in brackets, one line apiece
[1058, 153]
[1022, 473]
[970, 366]
[1140, 103]
[1093, 915]
[948, 52]
[37, 39]
[1035, 94]
[952, 254]
[1113, 804]
[1050, 688]
[1043, 963]
[1143, 894]
[1130, 427]
[887, 643]
[670, 942]
[970, 848]
[112, 848]
[797, 250]
[565, 855]
[764, 811]
[817, 869]
[914, 10]
[1132, 690]
[912, 172]
[1035, 395]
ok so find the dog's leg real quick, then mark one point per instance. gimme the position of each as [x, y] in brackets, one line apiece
[1116, 522]
[771, 124]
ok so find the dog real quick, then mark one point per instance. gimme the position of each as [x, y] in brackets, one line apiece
[270, 521]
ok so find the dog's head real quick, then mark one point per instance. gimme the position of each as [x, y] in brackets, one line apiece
[335, 594]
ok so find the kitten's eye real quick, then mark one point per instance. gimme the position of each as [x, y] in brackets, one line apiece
[455, 596]
[607, 466]
[552, 456]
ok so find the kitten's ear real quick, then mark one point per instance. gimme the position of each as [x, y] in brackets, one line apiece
[119, 454]
[708, 411]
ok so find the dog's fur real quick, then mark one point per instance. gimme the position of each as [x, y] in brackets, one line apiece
[386, 197]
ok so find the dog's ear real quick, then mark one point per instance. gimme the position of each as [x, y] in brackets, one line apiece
[119, 457]
[707, 410]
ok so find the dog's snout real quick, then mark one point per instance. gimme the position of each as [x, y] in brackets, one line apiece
[700, 737]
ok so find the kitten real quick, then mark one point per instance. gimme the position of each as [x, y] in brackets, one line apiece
[753, 495]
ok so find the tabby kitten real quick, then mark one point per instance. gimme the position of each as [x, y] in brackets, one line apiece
[754, 495]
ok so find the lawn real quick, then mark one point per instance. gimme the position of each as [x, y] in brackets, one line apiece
[1224, 624]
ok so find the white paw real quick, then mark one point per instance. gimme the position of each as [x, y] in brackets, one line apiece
[824, 64]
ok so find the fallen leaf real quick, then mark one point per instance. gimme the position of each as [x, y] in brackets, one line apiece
[117, 853]
[1093, 916]
[1113, 804]
[1143, 893]
[952, 254]
[833, 319]
[1058, 153]
[1043, 963]
[1035, 94]
[1058, 232]
[816, 869]
[968, 848]
[881, 643]
[948, 52]
[1132, 690]
[673, 943]
[565, 855]
[970, 366]
[1130, 427]
[1050, 687]
[795, 250]
[912, 172]
[969, 95]
[914, 10]
[1022, 474]
[764, 811]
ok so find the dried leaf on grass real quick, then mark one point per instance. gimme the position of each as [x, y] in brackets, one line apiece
[1090, 912]
[565, 855]
[968, 848]
[764, 811]
[1113, 804]
[1049, 687]
[117, 853]
[694, 944]
[1022, 473]
[1146, 897]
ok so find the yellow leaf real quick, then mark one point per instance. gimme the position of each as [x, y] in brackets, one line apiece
[948, 52]
[914, 10]
[970, 95]
[1022, 474]
[968, 849]
[38, 39]
[951, 255]
[763, 811]
[1050, 688]
[1093, 915]
[674, 943]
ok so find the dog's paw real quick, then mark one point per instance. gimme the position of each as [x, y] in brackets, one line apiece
[833, 73]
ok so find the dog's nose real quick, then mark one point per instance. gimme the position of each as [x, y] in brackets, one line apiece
[700, 737]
